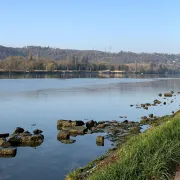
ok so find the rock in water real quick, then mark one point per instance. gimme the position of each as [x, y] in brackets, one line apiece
[18, 130]
[5, 135]
[100, 140]
[37, 131]
[69, 123]
[63, 135]
[90, 123]
[167, 94]
[80, 123]
[26, 140]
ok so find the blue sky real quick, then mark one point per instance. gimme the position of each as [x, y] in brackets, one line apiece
[129, 25]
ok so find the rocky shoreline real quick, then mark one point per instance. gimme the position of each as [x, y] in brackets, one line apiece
[119, 133]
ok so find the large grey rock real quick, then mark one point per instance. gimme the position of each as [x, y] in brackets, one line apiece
[100, 139]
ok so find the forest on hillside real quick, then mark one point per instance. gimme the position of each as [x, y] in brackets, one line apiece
[32, 58]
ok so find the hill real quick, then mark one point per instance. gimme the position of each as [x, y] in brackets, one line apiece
[89, 55]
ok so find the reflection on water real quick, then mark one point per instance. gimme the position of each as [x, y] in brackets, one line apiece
[83, 75]
[7, 156]
[40, 101]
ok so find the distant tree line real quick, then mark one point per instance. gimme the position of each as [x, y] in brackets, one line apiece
[121, 57]
[82, 63]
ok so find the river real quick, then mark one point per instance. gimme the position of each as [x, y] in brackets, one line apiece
[43, 100]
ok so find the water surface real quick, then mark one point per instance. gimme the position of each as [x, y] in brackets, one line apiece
[42, 101]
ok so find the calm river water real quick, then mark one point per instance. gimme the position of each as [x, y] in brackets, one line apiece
[42, 101]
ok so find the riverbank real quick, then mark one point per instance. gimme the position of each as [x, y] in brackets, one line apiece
[153, 154]
[62, 72]
[19, 72]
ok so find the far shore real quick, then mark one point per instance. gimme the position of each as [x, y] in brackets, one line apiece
[20, 72]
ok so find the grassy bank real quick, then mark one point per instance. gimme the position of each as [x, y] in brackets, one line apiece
[150, 155]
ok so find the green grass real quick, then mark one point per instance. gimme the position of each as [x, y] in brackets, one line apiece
[150, 155]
